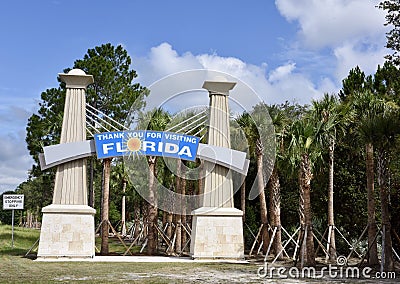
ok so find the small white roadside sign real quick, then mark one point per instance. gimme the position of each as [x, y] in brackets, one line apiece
[13, 201]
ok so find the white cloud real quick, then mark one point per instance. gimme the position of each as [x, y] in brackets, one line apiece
[281, 72]
[330, 22]
[282, 83]
[333, 37]
[346, 32]
[349, 55]
[162, 61]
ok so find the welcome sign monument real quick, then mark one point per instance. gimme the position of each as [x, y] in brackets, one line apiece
[68, 223]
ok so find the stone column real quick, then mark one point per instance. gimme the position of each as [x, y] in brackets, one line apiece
[68, 224]
[69, 188]
[218, 190]
[217, 230]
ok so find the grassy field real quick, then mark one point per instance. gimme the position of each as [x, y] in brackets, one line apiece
[22, 270]
[15, 268]
[23, 239]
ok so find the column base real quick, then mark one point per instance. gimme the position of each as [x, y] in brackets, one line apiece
[67, 231]
[217, 233]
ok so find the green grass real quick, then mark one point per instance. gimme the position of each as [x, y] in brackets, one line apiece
[24, 270]
[23, 239]
[15, 268]
[116, 247]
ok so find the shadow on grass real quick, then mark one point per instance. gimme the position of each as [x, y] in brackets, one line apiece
[13, 251]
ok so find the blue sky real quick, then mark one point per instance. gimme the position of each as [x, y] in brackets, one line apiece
[285, 49]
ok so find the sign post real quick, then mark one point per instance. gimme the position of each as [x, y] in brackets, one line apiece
[13, 201]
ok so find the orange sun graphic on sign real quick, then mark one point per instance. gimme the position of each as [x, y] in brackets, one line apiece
[133, 145]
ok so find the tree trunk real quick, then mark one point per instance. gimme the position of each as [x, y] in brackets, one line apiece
[178, 228]
[243, 198]
[305, 176]
[200, 183]
[169, 225]
[373, 252]
[91, 182]
[137, 221]
[29, 219]
[383, 178]
[183, 205]
[263, 202]
[331, 217]
[275, 209]
[164, 219]
[105, 207]
[123, 212]
[152, 220]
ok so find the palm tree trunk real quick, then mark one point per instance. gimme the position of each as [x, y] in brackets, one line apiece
[123, 211]
[183, 205]
[137, 220]
[164, 219]
[331, 217]
[169, 225]
[91, 182]
[152, 220]
[263, 203]
[383, 177]
[105, 207]
[200, 183]
[275, 207]
[373, 252]
[178, 228]
[305, 176]
[243, 198]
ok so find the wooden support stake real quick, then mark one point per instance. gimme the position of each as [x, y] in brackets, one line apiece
[165, 238]
[255, 240]
[121, 240]
[35, 245]
[286, 244]
[369, 248]
[353, 247]
[270, 243]
[144, 245]
[320, 244]
[297, 245]
[328, 244]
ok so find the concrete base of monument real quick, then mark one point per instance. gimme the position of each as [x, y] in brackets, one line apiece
[67, 231]
[217, 233]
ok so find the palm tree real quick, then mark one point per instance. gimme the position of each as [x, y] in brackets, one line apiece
[256, 146]
[159, 120]
[178, 217]
[105, 206]
[334, 117]
[239, 142]
[367, 107]
[387, 126]
[183, 123]
[280, 121]
[304, 142]
[156, 120]
[121, 179]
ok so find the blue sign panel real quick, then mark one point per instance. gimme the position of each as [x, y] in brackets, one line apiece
[146, 142]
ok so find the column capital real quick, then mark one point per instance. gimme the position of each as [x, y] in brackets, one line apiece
[218, 88]
[76, 79]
